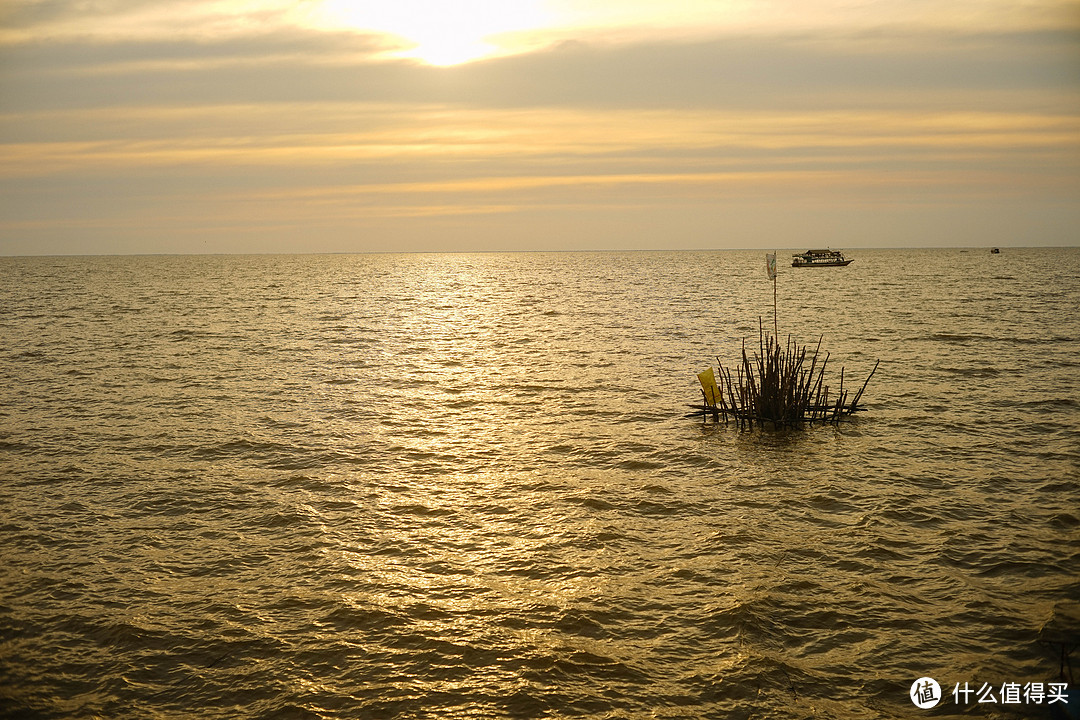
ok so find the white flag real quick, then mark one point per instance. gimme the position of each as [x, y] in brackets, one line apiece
[770, 265]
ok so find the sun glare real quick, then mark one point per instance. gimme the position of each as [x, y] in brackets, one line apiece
[441, 32]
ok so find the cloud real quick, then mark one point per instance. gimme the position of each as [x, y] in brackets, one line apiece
[278, 131]
[783, 71]
[796, 72]
[632, 17]
[405, 161]
[147, 20]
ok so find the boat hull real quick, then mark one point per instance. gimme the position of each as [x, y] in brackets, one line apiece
[830, 263]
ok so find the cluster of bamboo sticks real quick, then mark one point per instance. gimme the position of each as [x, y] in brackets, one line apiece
[776, 387]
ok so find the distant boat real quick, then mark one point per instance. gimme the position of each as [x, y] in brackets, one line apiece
[820, 258]
[994, 251]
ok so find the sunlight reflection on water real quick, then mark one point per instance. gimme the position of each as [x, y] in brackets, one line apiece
[454, 485]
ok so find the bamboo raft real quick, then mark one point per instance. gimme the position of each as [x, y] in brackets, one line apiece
[775, 387]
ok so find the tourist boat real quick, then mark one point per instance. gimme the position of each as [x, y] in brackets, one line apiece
[820, 258]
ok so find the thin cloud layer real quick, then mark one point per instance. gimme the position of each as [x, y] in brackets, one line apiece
[720, 73]
[271, 135]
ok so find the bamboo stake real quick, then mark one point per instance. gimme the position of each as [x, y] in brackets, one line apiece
[775, 385]
[858, 395]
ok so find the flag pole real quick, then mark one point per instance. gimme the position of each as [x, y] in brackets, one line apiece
[770, 266]
[776, 332]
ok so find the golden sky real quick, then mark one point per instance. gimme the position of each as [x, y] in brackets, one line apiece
[346, 126]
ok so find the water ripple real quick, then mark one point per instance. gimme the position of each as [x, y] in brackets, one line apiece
[463, 486]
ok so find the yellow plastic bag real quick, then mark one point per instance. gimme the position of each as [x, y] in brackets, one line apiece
[708, 385]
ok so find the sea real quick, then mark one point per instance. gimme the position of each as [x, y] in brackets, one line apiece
[467, 486]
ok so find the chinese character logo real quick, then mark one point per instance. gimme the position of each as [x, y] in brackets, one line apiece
[925, 693]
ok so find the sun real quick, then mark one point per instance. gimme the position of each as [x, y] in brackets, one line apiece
[441, 32]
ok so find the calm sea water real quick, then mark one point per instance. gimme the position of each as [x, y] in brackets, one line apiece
[454, 486]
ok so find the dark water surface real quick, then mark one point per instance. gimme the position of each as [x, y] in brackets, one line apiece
[463, 486]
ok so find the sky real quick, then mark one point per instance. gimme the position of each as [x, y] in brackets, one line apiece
[241, 126]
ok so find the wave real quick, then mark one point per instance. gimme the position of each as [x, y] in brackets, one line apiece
[488, 503]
